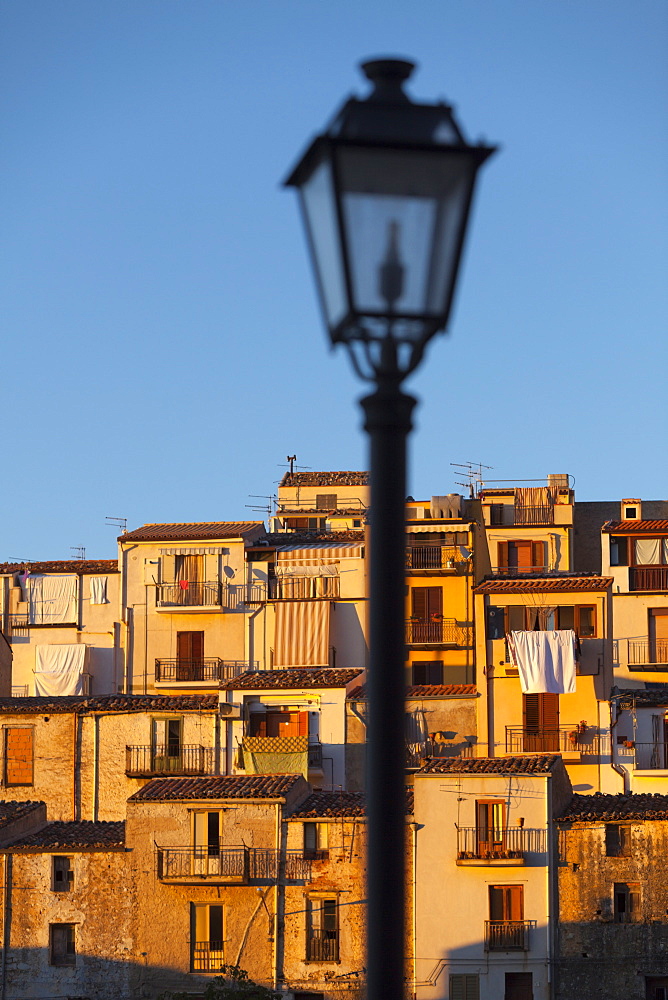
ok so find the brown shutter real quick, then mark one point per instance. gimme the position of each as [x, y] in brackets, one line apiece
[426, 601]
[530, 713]
[303, 724]
[502, 555]
[516, 902]
[538, 560]
[524, 556]
[549, 711]
[190, 645]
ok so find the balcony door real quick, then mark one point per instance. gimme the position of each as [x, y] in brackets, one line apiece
[427, 614]
[207, 829]
[190, 656]
[506, 914]
[490, 827]
[540, 723]
[166, 745]
[658, 635]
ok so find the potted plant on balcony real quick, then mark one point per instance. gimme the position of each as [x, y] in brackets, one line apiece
[573, 737]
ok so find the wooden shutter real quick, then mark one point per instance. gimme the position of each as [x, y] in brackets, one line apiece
[190, 645]
[303, 724]
[426, 601]
[523, 557]
[502, 555]
[538, 560]
[464, 987]
[167, 569]
[540, 722]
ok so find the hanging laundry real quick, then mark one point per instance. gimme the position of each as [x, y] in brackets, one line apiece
[545, 660]
[183, 584]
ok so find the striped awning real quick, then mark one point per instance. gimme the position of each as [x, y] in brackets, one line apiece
[318, 554]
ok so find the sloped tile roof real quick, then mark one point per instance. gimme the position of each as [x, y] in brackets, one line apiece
[416, 691]
[538, 764]
[299, 677]
[600, 807]
[230, 786]
[121, 703]
[636, 526]
[326, 804]
[85, 835]
[79, 566]
[10, 810]
[657, 694]
[280, 538]
[291, 511]
[325, 479]
[184, 531]
[530, 583]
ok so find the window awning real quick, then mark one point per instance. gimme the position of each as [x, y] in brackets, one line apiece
[302, 634]
[430, 529]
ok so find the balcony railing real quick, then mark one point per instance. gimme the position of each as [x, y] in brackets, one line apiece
[542, 514]
[418, 752]
[18, 625]
[509, 844]
[181, 671]
[237, 865]
[444, 632]
[141, 761]
[189, 594]
[294, 588]
[642, 651]
[315, 755]
[646, 756]
[283, 745]
[565, 739]
[322, 946]
[648, 578]
[208, 956]
[434, 556]
[507, 935]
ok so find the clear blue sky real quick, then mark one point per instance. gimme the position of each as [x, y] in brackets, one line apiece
[162, 348]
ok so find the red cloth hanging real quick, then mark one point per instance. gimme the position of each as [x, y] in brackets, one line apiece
[183, 584]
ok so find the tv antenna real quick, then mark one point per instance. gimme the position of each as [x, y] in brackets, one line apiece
[118, 522]
[262, 508]
[80, 551]
[17, 559]
[291, 459]
[472, 474]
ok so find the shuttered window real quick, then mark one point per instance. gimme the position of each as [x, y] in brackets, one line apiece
[522, 556]
[506, 902]
[428, 672]
[464, 987]
[540, 722]
[189, 645]
[277, 723]
[427, 603]
[325, 501]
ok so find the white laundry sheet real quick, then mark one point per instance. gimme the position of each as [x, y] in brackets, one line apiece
[545, 660]
[59, 669]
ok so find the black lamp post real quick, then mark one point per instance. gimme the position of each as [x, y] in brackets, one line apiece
[385, 193]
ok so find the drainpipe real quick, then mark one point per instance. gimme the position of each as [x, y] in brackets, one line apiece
[75, 729]
[6, 920]
[621, 771]
[96, 765]
[274, 954]
[414, 827]
[552, 897]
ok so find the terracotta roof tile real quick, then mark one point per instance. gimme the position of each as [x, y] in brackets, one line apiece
[79, 566]
[657, 694]
[416, 691]
[323, 805]
[121, 703]
[636, 526]
[537, 764]
[299, 677]
[10, 810]
[278, 538]
[185, 531]
[230, 786]
[86, 835]
[600, 807]
[325, 479]
[530, 583]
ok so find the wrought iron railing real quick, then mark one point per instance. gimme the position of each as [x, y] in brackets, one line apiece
[189, 594]
[507, 935]
[211, 668]
[562, 740]
[315, 755]
[434, 556]
[446, 631]
[322, 946]
[170, 759]
[513, 842]
[208, 956]
[646, 756]
[418, 752]
[541, 514]
[235, 864]
[642, 651]
[648, 578]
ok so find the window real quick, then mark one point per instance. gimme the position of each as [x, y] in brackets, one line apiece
[207, 937]
[316, 841]
[207, 831]
[540, 723]
[190, 587]
[166, 750]
[521, 557]
[658, 635]
[427, 672]
[325, 501]
[322, 929]
[490, 826]
[617, 840]
[464, 987]
[18, 755]
[506, 930]
[650, 551]
[278, 722]
[61, 944]
[519, 986]
[656, 987]
[580, 617]
[618, 550]
[62, 876]
[626, 902]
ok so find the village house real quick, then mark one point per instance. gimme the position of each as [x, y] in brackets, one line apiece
[63, 622]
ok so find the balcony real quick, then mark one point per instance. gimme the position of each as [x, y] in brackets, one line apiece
[648, 578]
[506, 848]
[644, 653]
[201, 670]
[435, 557]
[646, 756]
[296, 754]
[231, 865]
[565, 739]
[322, 946]
[18, 626]
[508, 935]
[541, 514]
[146, 762]
[294, 588]
[417, 753]
[446, 632]
[186, 594]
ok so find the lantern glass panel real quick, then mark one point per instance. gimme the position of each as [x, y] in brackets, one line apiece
[319, 208]
[403, 207]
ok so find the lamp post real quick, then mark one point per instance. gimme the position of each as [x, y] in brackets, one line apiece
[385, 193]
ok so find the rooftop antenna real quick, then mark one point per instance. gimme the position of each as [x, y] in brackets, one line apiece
[80, 551]
[118, 522]
[472, 473]
[18, 559]
[262, 508]
[291, 459]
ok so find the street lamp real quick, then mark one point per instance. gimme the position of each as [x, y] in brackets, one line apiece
[385, 193]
